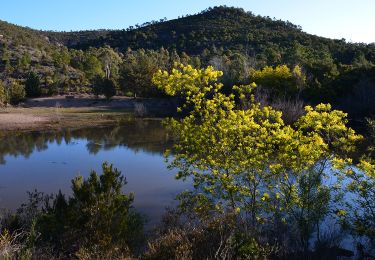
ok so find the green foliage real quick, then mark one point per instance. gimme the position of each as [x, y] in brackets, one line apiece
[250, 248]
[281, 81]
[97, 218]
[32, 85]
[137, 70]
[225, 28]
[360, 61]
[97, 221]
[109, 88]
[53, 89]
[110, 60]
[306, 201]
[104, 86]
[358, 215]
[16, 93]
[235, 66]
[61, 58]
[24, 61]
[371, 137]
[3, 94]
[92, 66]
[353, 91]
[97, 87]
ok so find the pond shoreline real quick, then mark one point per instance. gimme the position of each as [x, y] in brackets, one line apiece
[48, 160]
[80, 111]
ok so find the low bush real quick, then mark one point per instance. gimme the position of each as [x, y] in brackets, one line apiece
[17, 93]
[97, 221]
[3, 94]
[32, 85]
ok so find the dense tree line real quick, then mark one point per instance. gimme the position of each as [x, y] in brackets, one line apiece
[236, 42]
[99, 71]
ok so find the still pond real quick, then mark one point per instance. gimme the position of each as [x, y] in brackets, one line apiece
[47, 161]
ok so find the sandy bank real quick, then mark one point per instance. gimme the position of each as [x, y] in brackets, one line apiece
[59, 111]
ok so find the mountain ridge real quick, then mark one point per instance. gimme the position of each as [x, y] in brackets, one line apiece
[223, 27]
[219, 26]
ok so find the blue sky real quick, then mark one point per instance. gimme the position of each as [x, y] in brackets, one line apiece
[353, 20]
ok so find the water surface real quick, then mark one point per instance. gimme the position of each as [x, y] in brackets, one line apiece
[47, 161]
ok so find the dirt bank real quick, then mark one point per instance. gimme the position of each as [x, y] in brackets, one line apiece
[76, 111]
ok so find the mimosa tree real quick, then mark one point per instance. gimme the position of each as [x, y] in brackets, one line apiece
[248, 162]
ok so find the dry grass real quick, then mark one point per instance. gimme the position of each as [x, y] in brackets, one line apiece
[57, 117]
[9, 245]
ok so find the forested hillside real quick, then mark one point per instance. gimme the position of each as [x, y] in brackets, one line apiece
[237, 42]
[218, 29]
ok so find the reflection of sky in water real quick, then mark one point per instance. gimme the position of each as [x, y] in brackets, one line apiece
[52, 169]
[48, 161]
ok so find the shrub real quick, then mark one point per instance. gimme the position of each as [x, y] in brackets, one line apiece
[3, 95]
[97, 87]
[18, 244]
[250, 163]
[109, 88]
[16, 93]
[104, 86]
[189, 236]
[53, 89]
[281, 80]
[32, 85]
[97, 220]
[9, 245]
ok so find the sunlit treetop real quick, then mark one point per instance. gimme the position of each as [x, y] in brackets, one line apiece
[218, 135]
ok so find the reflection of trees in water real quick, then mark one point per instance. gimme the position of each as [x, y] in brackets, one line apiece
[145, 135]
